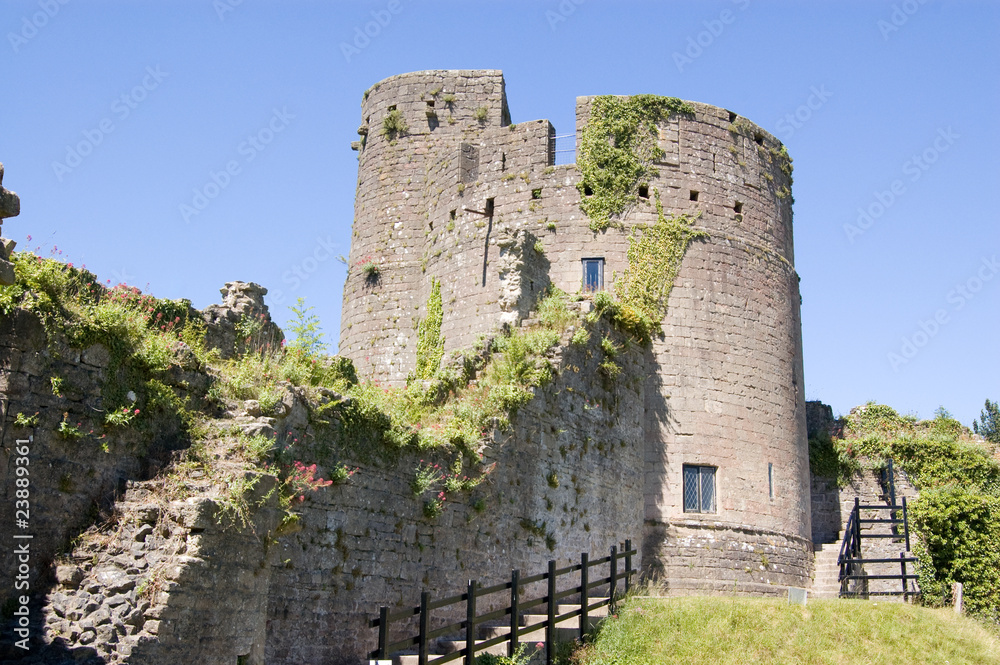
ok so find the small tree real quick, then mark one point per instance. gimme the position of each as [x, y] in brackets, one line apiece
[306, 327]
[989, 424]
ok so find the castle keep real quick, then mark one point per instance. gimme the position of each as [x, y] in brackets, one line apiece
[449, 189]
[696, 443]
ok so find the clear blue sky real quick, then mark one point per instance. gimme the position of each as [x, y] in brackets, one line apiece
[161, 95]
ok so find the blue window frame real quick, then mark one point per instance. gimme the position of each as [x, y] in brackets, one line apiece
[593, 275]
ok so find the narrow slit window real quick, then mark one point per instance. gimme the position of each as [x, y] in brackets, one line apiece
[593, 275]
[451, 215]
[770, 480]
[699, 489]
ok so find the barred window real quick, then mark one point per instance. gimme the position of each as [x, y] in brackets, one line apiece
[699, 489]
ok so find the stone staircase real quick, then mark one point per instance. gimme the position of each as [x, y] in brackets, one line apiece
[566, 631]
[826, 572]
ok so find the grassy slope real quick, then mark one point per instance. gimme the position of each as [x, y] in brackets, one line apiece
[752, 630]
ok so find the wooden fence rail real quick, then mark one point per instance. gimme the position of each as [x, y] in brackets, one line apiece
[511, 611]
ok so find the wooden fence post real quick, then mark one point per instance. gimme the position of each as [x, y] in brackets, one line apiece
[550, 624]
[584, 596]
[613, 586]
[515, 619]
[425, 600]
[906, 525]
[470, 625]
[383, 632]
[628, 566]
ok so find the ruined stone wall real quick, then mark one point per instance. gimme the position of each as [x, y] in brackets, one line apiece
[72, 479]
[167, 580]
[724, 387]
[171, 582]
[566, 482]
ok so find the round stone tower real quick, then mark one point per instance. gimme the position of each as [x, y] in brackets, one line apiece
[450, 190]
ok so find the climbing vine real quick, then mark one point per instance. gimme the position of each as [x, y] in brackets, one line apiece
[617, 149]
[430, 345]
[654, 257]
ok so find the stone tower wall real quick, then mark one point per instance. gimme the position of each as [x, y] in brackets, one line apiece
[724, 387]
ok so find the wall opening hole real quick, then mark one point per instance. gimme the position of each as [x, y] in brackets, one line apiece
[732, 117]
[536, 194]
[392, 108]
[643, 191]
[451, 215]
[531, 285]
[694, 195]
[503, 161]
[489, 207]
[738, 207]
[430, 103]
[758, 138]
[587, 191]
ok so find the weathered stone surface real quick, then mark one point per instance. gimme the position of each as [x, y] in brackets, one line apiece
[69, 576]
[463, 201]
[242, 311]
[10, 204]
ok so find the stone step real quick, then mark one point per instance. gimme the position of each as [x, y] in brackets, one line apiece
[571, 622]
[596, 612]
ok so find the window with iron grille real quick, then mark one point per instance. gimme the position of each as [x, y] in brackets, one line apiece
[593, 275]
[699, 489]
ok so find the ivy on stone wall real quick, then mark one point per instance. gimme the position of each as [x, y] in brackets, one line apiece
[617, 150]
[430, 344]
[654, 258]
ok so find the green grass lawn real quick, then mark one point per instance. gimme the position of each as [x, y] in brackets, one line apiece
[753, 630]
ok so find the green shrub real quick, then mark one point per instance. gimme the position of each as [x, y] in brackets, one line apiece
[960, 542]
[394, 125]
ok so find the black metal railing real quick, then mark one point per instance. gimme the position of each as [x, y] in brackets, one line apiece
[854, 579]
[511, 611]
